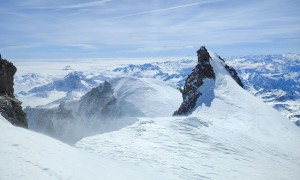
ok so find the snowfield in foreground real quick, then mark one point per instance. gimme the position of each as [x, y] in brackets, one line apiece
[197, 148]
[28, 155]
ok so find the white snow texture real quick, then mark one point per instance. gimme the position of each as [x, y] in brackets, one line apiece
[230, 135]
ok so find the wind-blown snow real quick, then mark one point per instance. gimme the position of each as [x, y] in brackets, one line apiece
[151, 97]
[29, 155]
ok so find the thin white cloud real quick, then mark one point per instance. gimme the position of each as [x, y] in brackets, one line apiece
[87, 29]
[165, 9]
[84, 5]
[57, 6]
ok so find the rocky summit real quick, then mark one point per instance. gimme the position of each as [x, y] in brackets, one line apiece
[10, 108]
[203, 71]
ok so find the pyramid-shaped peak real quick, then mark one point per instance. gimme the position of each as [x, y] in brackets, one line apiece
[200, 83]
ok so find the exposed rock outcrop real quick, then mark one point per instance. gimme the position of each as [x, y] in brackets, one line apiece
[297, 123]
[10, 108]
[190, 93]
[7, 72]
[102, 106]
[202, 73]
[232, 72]
[73, 120]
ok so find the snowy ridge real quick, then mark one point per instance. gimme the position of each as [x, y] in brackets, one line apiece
[231, 100]
[198, 148]
[29, 155]
[273, 78]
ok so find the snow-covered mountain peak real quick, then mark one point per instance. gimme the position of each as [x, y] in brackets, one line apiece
[199, 85]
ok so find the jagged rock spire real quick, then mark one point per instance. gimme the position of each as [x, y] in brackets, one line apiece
[190, 93]
[202, 71]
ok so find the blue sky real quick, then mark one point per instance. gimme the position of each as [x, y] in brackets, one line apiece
[46, 29]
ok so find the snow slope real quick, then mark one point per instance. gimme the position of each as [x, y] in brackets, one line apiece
[29, 155]
[234, 136]
[151, 97]
[273, 78]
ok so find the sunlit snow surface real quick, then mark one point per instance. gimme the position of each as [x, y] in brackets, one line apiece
[198, 148]
[26, 155]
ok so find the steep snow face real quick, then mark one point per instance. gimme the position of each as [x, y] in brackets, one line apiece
[273, 78]
[235, 136]
[29, 155]
[152, 98]
[232, 105]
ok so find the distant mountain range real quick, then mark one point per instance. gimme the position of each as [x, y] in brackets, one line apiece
[181, 119]
[273, 78]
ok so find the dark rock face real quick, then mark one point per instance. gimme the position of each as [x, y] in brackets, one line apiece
[232, 73]
[203, 71]
[297, 123]
[10, 108]
[7, 72]
[190, 93]
[103, 105]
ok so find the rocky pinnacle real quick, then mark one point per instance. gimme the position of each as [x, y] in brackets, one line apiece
[190, 92]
